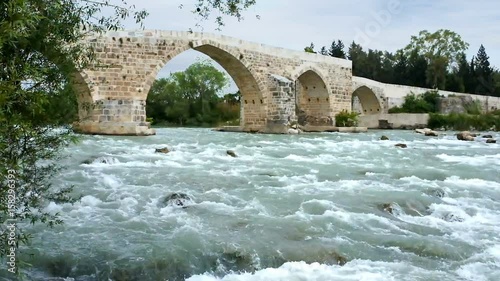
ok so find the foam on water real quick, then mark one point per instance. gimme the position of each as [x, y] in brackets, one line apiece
[475, 160]
[283, 200]
[358, 270]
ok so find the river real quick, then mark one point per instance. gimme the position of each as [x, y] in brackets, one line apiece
[288, 207]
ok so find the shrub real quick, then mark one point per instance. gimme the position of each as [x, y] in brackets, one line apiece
[461, 122]
[346, 119]
[396, 109]
[473, 108]
[424, 103]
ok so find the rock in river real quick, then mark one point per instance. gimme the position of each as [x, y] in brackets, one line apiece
[431, 134]
[164, 150]
[466, 136]
[177, 200]
[427, 132]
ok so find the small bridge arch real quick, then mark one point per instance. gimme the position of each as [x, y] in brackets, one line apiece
[313, 105]
[368, 99]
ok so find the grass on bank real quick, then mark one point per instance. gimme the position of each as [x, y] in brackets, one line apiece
[471, 122]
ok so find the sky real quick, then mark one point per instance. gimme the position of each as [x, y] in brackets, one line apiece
[377, 24]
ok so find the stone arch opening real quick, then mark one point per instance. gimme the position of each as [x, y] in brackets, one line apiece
[251, 99]
[81, 87]
[365, 102]
[312, 99]
[71, 81]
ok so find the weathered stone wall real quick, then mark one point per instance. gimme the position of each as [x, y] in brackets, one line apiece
[393, 95]
[130, 61]
[395, 121]
[281, 110]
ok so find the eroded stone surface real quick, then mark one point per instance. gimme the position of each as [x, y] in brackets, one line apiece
[278, 86]
[275, 83]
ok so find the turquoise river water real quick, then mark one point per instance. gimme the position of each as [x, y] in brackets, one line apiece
[288, 207]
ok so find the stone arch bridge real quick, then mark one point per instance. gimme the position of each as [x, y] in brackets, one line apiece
[278, 86]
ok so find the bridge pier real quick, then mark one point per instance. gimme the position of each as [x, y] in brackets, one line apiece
[114, 128]
[114, 117]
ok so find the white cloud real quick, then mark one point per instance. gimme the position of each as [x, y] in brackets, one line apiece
[294, 24]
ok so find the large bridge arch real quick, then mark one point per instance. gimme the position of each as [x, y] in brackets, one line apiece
[253, 97]
[73, 76]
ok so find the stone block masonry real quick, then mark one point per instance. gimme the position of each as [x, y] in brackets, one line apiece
[282, 107]
[129, 62]
[276, 85]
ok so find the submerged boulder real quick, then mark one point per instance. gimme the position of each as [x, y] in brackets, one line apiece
[391, 208]
[409, 207]
[427, 132]
[237, 261]
[333, 258]
[487, 137]
[177, 200]
[466, 136]
[401, 145]
[450, 217]
[423, 131]
[321, 255]
[491, 141]
[384, 138]
[88, 161]
[101, 160]
[231, 153]
[164, 150]
[437, 192]
[431, 134]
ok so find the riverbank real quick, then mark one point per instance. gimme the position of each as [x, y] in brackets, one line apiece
[299, 129]
[410, 121]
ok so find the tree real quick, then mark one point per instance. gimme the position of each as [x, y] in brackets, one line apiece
[188, 97]
[324, 51]
[484, 73]
[401, 69]
[417, 66]
[358, 58]
[40, 52]
[232, 8]
[442, 49]
[310, 49]
[496, 79]
[461, 79]
[387, 68]
[337, 50]
[232, 99]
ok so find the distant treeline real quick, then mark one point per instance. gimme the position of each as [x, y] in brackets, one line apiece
[431, 60]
